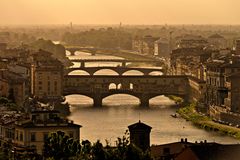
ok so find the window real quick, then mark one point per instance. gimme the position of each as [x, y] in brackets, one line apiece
[21, 136]
[55, 86]
[48, 87]
[40, 82]
[17, 135]
[33, 137]
[45, 136]
[40, 88]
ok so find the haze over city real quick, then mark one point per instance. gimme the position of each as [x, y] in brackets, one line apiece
[126, 11]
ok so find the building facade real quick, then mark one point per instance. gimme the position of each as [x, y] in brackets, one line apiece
[46, 76]
[238, 47]
[144, 45]
[162, 48]
[217, 41]
[33, 132]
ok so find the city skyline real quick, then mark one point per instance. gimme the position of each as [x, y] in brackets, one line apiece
[25, 12]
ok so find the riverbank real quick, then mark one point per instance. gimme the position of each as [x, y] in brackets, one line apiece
[189, 113]
[176, 99]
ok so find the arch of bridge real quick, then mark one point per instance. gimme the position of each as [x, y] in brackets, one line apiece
[118, 70]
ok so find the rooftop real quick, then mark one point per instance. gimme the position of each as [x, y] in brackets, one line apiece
[139, 125]
[216, 36]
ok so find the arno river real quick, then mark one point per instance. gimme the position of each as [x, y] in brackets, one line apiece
[119, 111]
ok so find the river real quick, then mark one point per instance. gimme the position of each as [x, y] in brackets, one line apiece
[119, 111]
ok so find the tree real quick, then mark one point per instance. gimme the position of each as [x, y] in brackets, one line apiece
[60, 146]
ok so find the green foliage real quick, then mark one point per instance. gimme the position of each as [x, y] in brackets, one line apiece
[9, 104]
[57, 49]
[103, 38]
[178, 100]
[60, 147]
[189, 113]
[4, 100]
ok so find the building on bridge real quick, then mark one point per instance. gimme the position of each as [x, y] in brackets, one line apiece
[46, 76]
[142, 87]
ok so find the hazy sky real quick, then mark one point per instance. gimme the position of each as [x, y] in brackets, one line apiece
[114, 11]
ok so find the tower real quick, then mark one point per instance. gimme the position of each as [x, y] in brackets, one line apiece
[140, 135]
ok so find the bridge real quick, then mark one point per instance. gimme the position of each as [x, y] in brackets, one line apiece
[142, 87]
[119, 70]
[122, 61]
[73, 49]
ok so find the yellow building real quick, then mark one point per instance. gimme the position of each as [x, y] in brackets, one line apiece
[46, 76]
[33, 132]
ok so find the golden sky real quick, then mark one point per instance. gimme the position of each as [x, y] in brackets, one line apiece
[115, 11]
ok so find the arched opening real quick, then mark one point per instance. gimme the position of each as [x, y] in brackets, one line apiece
[119, 86]
[83, 54]
[77, 99]
[106, 72]
[75, 64]
[161, 100]
[78, 72]
[156, 73]
[67, 53]
[120, 99]
[131, 86]
[133, 73]
[112, 86]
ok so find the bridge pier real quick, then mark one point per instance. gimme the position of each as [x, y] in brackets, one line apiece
[97, 101]
[123, 64]
[72, 52]
[82, 65]
[144, 102]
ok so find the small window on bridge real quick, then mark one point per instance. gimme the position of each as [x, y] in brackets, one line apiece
[112, 86]
[131, 86]
[119, 86]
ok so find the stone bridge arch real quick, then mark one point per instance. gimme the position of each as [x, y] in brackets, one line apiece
[130, 70]
[106, 69]
[125, 92]
[143, 87]
[151, 73]
[70, 71]
[80, 94]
